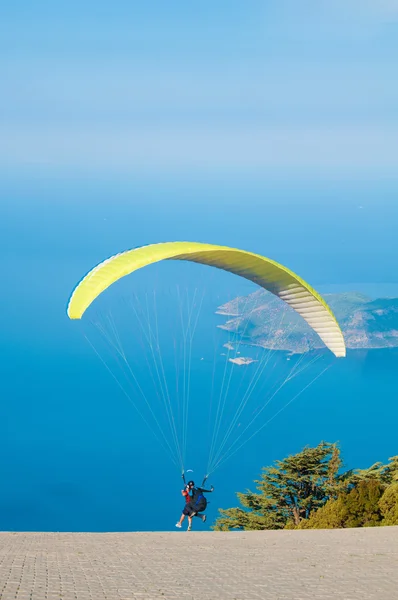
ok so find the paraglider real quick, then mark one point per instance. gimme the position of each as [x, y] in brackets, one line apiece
[195, 504]
[273, 277]
[270, 275]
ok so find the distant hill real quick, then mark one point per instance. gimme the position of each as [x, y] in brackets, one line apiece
[263, 319]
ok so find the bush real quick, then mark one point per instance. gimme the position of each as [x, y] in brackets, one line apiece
[358, 508]
[388, 504]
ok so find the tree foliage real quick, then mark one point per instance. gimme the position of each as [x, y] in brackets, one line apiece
[307, 490]
[389, 505]
[288, 492]
[357, 508]
[385, 474]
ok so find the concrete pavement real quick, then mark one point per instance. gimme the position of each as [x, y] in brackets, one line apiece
[280, 565]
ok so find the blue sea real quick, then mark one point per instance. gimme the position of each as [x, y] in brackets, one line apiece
[75, 455]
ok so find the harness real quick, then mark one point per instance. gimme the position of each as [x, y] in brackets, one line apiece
[200, 497]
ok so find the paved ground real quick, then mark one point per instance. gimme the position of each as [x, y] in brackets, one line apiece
[356, 564]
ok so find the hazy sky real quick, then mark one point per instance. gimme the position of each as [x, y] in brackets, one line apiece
[209, 87]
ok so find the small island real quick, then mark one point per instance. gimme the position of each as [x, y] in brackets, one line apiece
[242, 360]
[228, 346]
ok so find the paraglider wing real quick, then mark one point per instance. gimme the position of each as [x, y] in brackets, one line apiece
[263, 271]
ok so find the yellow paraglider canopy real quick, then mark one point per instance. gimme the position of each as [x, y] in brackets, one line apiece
[263, 271]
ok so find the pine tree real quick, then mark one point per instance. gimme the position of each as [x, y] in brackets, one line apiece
[288, 492]
[385, 474]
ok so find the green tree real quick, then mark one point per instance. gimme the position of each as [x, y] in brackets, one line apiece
[360, 507]
[389, 505]
[288, 492]
[362, 504]
[385, 474]
[330, 516]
